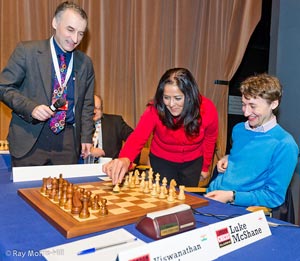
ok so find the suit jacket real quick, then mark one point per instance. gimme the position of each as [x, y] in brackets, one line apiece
[26, 82]
[114, 131]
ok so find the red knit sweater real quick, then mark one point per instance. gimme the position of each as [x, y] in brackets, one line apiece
[174, 145]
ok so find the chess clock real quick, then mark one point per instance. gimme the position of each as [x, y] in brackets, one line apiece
[164, 223]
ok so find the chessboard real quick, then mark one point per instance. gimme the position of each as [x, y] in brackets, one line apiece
[127, 206]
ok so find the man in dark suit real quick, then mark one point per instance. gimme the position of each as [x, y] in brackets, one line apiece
[27, 86]
[110, 132]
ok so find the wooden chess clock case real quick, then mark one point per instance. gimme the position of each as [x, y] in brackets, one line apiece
[167, 224]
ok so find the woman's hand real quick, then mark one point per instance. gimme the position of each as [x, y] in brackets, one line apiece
[116, 169]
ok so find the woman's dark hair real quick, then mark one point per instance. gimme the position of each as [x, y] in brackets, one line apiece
[190, 116]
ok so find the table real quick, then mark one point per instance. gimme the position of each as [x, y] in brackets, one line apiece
[5, 161]
[24, 229]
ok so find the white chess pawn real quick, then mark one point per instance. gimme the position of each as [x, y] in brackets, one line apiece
[136, 177]
[181, 195]
[132, 182]
[146, 188]
[126, 182]
[116, 188]
[154, 192]
[157, 188]
[162, 193]
[171, 196]
[150, 179]
[142, 183]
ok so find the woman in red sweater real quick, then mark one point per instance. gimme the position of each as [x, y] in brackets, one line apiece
[184, 126]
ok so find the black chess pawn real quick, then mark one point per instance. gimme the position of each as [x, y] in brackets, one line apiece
[84, 213]
[68, 204]
[44, 186]
[63, 197]
[103, 208]
[95, 203]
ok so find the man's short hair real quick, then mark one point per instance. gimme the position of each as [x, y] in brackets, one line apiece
[262, 85]
[70, 5]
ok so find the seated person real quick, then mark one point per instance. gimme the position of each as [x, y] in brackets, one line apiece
[110, 132]
[263, 157]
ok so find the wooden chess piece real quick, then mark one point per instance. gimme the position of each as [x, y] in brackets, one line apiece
[157, 179]
[52, 193]
[44, 186]
[154, 191]
[181, 195]
[76, 202]
[164, 185]
[95, 203]
[162, 194]
[63, 197]
[126, 182]
[142, 183]
[60, 179]
[171, 196]
[68, 204]
[59, 191]
[150, 173]
[173, 185]
[146, 188]
[103, 208]
[54, 189]
[132, 182]
[89, 195]
[84, 213]
[48, 186]
[116, 188]
[136, 177]
[150, 182]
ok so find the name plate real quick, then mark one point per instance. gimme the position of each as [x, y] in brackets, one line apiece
[206, 243]
[197, 244]
[238, 232]
[31, 173]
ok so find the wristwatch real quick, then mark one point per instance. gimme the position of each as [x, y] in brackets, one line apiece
[233, 197]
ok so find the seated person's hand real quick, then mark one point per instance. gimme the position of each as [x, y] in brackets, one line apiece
[97, 152]
[222, 164]
[220, 195]
[116, 169]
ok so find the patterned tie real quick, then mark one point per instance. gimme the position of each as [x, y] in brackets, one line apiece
[57, 122]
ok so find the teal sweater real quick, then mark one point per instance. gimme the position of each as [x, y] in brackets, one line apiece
[260, 166]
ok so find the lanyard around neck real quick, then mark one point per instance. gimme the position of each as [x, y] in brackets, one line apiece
[56, 66]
